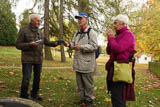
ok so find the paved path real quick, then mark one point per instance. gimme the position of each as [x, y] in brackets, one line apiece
[64, 67]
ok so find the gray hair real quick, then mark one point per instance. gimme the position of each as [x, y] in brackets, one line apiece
[122, 19]
[33, 16]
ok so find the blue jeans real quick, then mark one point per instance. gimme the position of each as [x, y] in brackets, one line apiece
[27, 72]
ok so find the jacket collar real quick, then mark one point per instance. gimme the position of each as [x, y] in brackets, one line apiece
[85, 30]
[33, 29]
[121, 30]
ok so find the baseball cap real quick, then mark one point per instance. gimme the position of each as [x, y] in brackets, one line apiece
[82, 15]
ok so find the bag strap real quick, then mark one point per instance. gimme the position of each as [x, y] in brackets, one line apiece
[130, 58]
[88, 31]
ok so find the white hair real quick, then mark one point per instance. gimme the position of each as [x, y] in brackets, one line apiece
[122, 19]
[33, 16]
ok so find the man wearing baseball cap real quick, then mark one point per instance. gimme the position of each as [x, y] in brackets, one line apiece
[85, 44]
[81, 15]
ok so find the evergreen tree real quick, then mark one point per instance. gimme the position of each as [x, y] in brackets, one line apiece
[8, 34]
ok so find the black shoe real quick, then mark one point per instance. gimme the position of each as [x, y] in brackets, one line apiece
[37, 98]
[78, 102]
[25, 97]
[89, 103]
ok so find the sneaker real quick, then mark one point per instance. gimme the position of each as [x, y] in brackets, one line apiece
[78, 102]
[39, 98]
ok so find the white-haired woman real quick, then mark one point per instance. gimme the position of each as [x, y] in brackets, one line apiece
[121, 49]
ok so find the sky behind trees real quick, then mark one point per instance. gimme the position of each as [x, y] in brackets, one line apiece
[26, 4]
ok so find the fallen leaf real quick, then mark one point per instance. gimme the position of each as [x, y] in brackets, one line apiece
[142, 101]
[3, 86]
[149, 86]
[48, 88]
[20, 76]
[54, 78]
[155, 98]
[50, 100]
[1, 82]
[19, 85]
[12, 73]
[61, 105]
[66, 84]
[99, 102]
[151, 102]
[102, 88]
[15, 91]
[68, 81]
[107, 100]
[95, 88]
[41, 94]
[55, 81]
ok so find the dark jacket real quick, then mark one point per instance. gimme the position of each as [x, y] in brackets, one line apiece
[31, 54]
[121, 49]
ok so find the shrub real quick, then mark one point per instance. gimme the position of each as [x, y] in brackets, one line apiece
[155, 68]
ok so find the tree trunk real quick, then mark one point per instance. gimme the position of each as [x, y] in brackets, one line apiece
[48, 54]
[63, 58]
[70, 51]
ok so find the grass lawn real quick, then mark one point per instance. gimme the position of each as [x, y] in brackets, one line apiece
[58, 86]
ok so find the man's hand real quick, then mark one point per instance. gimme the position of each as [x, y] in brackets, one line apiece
[56, 43]
[67, 44]
[33, 44]
[109, 33]
[77, 47]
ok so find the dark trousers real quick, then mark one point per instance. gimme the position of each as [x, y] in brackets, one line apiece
[27, 72]
[116, 94]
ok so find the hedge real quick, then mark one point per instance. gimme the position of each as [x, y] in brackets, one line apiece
[155, 68]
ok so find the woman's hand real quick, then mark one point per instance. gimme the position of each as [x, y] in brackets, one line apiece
[110, 33]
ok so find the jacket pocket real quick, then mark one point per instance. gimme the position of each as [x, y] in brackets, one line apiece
[27, 56]
[84, 64]
[75, 64]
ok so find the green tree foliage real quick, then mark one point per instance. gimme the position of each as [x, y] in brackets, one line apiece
[25, 17]
[100, 12]
[148, 30]
[69, 24]
[7, 24]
